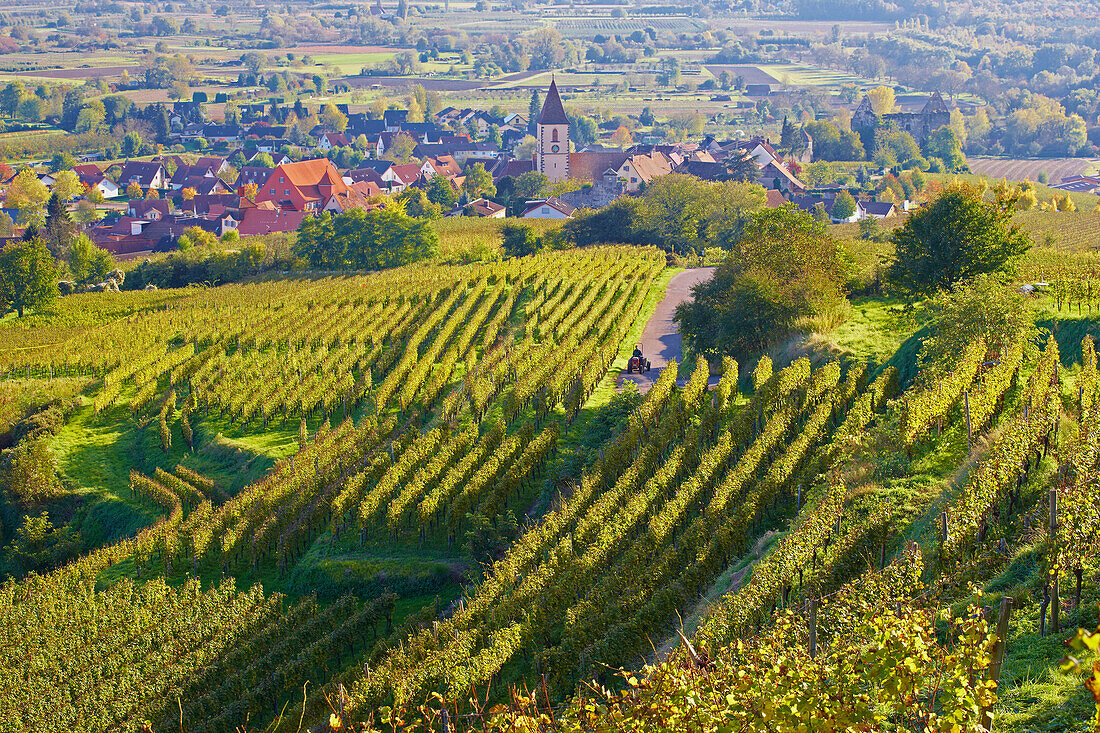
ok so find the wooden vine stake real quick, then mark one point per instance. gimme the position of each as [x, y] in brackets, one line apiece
[969, 431]
[812, 623]
[994, 671]
[1055, 603]
[943, 530]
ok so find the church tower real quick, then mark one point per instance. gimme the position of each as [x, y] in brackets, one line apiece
[552, 131]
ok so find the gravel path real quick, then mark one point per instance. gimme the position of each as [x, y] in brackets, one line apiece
[661, 340]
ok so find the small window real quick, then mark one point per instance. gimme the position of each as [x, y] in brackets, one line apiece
[633, 180]
[546, 209]
[282, 180]
[554, 136]
[273, 192]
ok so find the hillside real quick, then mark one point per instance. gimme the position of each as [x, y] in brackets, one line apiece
[377, 498]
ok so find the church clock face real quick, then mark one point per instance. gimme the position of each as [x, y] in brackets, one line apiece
[554, 148]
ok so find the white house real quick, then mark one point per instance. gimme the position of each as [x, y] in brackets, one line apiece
[551, 208]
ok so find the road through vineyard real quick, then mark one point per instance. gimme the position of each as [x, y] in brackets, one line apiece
[661, 341]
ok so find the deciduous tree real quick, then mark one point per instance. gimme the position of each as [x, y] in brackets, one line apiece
[955, 237]
[28, 276]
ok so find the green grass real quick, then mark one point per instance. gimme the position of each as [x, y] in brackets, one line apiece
[875, 331]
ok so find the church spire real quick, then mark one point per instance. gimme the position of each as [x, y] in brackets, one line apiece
[553, 113]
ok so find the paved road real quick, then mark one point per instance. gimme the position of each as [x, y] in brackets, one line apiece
[661, 340]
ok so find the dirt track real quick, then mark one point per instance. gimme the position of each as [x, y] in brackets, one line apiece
[661, 340]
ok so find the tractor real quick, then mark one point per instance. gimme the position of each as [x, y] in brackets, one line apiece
[637, 363]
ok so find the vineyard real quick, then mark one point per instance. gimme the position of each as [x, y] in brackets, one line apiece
[1030, 168]
[472, 529]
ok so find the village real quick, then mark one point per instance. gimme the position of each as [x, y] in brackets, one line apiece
[252, 179]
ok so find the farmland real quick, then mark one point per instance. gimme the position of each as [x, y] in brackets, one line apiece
[1030, 168]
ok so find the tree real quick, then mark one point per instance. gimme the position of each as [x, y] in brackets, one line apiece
[263, 160]
[519, 240]
[59, 229]
[583, 130]
[526, 148]
[132, 144]
[358, 239]
[984, 308]
[622, 137]
[784, 270]
[944, 144]
[883, 100]
[833, 143]
[530, 185]
[870, 229]
[788, 135]
[249, 190]
[61, 161]
[479, 182]
[254, 61]
[188, 194]
[534, 109]
[417, 204]
[402, 148]
[28, 276]
[333, 118]
[28, 194]
[956, 237]
[742, 167]
[67, 185]
[441, 191]
[179, 90]
[843, 206]
[87, 262]
[10, 96]
[86, 212]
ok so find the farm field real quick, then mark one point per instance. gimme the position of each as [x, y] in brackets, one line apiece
[1018, 169]
[803, 75]
[428, 472]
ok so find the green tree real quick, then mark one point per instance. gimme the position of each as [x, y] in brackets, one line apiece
[27, 193]
[59, 228]
[985, 307]
[61, 161]
[531, 185]
[583, 130]
[785, 272]
[67, 185]
[333, 118]
[358, 239]
[478, 182]
[833, 143]
[441, 192]
[742, 167]
[87, 262]
[688, 215]
[534, 109]
[402, 149]
[10, 96]
[843, 206]
[28, 276]
[132, 144]
[955, 237]
[519, 240]
[417, 203]
[944, 144]
[39, 545]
